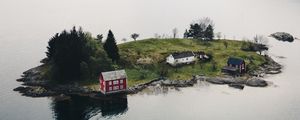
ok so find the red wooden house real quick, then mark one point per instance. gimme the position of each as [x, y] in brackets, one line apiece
[113, 81]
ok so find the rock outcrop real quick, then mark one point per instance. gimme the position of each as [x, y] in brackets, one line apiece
[256, 82]
[237, 82]
[282, 36]
[270, 67]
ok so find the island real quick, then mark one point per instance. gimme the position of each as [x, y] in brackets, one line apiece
[75, 60]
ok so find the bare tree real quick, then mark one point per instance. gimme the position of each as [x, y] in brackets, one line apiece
[157, 36]
[260, 39]
[164, 36]
[219, 35]
[261, 43]
[100, 37]
[245, 39]
[175, 32]
[134, 36]
[124, 39]
[202, 29]
[225, 44]
[204, 22]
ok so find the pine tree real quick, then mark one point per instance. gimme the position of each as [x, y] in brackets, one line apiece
[196, 31]
[111, 48]
[51, 47]
[186, 34]
[209, 32]
[66, 51]
[99, 38]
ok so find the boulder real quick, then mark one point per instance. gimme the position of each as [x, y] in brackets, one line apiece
[225, 80]
[282, 36]
[216, 80]
[256, 82]
[274, 72]
[237, 86]
[21, 89]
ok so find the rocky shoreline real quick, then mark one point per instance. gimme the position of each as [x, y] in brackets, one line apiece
[36, 86]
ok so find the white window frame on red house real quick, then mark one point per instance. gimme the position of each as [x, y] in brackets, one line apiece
[116, 88]
[121, 81]
[116, 82]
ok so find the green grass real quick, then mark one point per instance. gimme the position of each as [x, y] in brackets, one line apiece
[159, 49]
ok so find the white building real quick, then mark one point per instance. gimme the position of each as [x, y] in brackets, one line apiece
[181, 58]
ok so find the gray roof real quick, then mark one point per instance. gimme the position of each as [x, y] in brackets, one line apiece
[113, 75]
[182, 55]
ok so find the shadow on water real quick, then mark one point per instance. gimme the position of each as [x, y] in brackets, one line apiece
[84, 108]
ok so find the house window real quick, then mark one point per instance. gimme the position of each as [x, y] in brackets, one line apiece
[121, 86]
[176, 60]
[109, 82]
[110, 88]
[187, 58]
[116, 87]
[116, 82]
[121, 81]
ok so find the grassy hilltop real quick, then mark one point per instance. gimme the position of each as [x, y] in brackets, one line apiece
[75, 56]
[159, 49]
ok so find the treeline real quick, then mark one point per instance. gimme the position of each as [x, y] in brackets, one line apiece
[76, 55]
[203, 29]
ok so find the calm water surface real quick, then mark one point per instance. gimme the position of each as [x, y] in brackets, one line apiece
[27, 25]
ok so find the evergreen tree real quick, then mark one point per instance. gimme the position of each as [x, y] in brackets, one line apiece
[186, 34]
[201, 30]
[66, 51]
[209, 32]
[51, 47]
[196, 31]
[111, 48]
[99, 38]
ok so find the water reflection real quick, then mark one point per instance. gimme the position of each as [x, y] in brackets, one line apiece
[83, 108]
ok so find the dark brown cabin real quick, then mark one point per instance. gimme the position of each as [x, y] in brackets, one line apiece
[235, 66]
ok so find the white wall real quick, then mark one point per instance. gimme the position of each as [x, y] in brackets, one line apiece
[170, 60]
[173, 61]
[185, 60]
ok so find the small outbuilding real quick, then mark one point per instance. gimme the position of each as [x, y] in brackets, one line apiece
[235, 66]
[181, 58]
[202, 56]
[113, 81]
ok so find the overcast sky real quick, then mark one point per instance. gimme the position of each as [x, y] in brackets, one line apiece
[234, 18]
